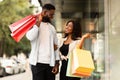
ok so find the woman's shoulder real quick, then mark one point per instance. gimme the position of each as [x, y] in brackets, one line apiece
[78, 39]
[62, 39]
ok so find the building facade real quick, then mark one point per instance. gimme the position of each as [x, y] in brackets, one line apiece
[102, 19]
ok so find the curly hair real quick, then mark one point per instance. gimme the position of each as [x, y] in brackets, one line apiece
[49, 6]
[77, 31]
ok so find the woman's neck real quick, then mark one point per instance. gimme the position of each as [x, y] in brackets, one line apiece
[68, 40]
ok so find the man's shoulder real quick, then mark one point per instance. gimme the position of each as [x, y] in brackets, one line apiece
[52, 26]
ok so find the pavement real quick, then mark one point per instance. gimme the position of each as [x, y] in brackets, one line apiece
[22, 76]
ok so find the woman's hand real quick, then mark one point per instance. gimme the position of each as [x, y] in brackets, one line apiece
[87, 35]
[64, 57]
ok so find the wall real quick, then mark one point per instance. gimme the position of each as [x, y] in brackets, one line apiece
[112, 29]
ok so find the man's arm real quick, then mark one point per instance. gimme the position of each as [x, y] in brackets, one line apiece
[38, 20]
[55, 47]
[32, 33]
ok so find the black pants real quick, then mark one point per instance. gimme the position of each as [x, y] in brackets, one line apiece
[42, 72]
[63, 72]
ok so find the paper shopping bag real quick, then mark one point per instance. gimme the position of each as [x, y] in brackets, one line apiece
[83, 64]
[13, 27]
[69, 67]
[20, 27]
[19, 33]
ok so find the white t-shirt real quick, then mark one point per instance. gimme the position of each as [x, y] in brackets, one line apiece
[46, 42]
[42, 40]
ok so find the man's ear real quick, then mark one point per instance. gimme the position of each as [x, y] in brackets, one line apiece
[44, 12]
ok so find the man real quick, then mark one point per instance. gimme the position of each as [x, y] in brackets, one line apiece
[44, 58]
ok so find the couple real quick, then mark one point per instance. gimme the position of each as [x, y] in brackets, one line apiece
[45, 50]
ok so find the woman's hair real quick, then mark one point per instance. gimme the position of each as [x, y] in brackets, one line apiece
[76, 32]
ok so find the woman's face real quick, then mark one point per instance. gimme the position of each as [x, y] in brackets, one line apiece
[69, 28]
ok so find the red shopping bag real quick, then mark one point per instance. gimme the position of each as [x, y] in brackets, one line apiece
[20, 27]
[13, 27]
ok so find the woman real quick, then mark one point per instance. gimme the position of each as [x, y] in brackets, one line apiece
[72, 38]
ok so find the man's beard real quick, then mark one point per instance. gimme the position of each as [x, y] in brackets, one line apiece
[46, 19]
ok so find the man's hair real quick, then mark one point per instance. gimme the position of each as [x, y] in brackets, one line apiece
[49, 6]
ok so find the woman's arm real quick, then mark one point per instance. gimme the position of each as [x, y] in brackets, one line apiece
[87, 35]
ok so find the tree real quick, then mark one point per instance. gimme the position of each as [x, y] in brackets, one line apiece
[11, 11]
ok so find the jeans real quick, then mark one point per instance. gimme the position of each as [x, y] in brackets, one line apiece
[42, 72]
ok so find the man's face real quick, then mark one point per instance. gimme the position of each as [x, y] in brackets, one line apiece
[50, 13]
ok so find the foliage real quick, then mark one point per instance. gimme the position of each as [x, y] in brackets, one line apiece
[11, 11]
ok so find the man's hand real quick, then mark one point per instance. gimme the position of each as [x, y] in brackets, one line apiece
[55, 69]
[38, 20]
[55, 47]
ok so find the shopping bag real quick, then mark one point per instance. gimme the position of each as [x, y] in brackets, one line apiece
[69, 67]
[20, 27]
[77, 69]
[13, 27]
[83, 63]
[19, 33]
